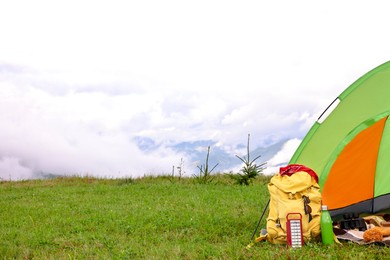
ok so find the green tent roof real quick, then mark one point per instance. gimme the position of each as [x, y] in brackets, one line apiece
[360, 106]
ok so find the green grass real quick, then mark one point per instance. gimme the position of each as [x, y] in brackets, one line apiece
[147, 218]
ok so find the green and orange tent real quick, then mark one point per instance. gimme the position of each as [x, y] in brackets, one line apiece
[349, 147]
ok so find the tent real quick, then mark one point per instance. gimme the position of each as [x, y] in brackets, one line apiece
[349, 147]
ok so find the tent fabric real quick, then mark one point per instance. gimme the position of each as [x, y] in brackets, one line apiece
[350, 148]
[354, 162]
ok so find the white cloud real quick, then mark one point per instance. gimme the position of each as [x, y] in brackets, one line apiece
[73, 134]
[282, 157]
[79, 80]
[12, 169]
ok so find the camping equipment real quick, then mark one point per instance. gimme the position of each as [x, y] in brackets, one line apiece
[297, 192]
[258, 223]
[367, 237]
[294, 229]
[326, 226]
[352, 221]
[349, 147]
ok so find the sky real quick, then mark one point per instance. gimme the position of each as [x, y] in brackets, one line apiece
[82, 81]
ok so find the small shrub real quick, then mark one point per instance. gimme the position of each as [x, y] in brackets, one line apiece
[180, 170]
[249, 171]
[204, 175]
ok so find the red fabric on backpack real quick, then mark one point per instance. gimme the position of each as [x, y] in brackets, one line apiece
[293, 168]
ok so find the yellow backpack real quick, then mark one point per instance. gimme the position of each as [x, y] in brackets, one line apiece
[295, 193]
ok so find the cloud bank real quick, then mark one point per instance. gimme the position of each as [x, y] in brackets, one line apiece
[92, 132]
[85, 86]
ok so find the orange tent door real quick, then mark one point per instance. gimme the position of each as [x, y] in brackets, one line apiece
[351, 178]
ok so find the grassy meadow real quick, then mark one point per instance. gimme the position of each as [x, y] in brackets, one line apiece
[146, 218]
